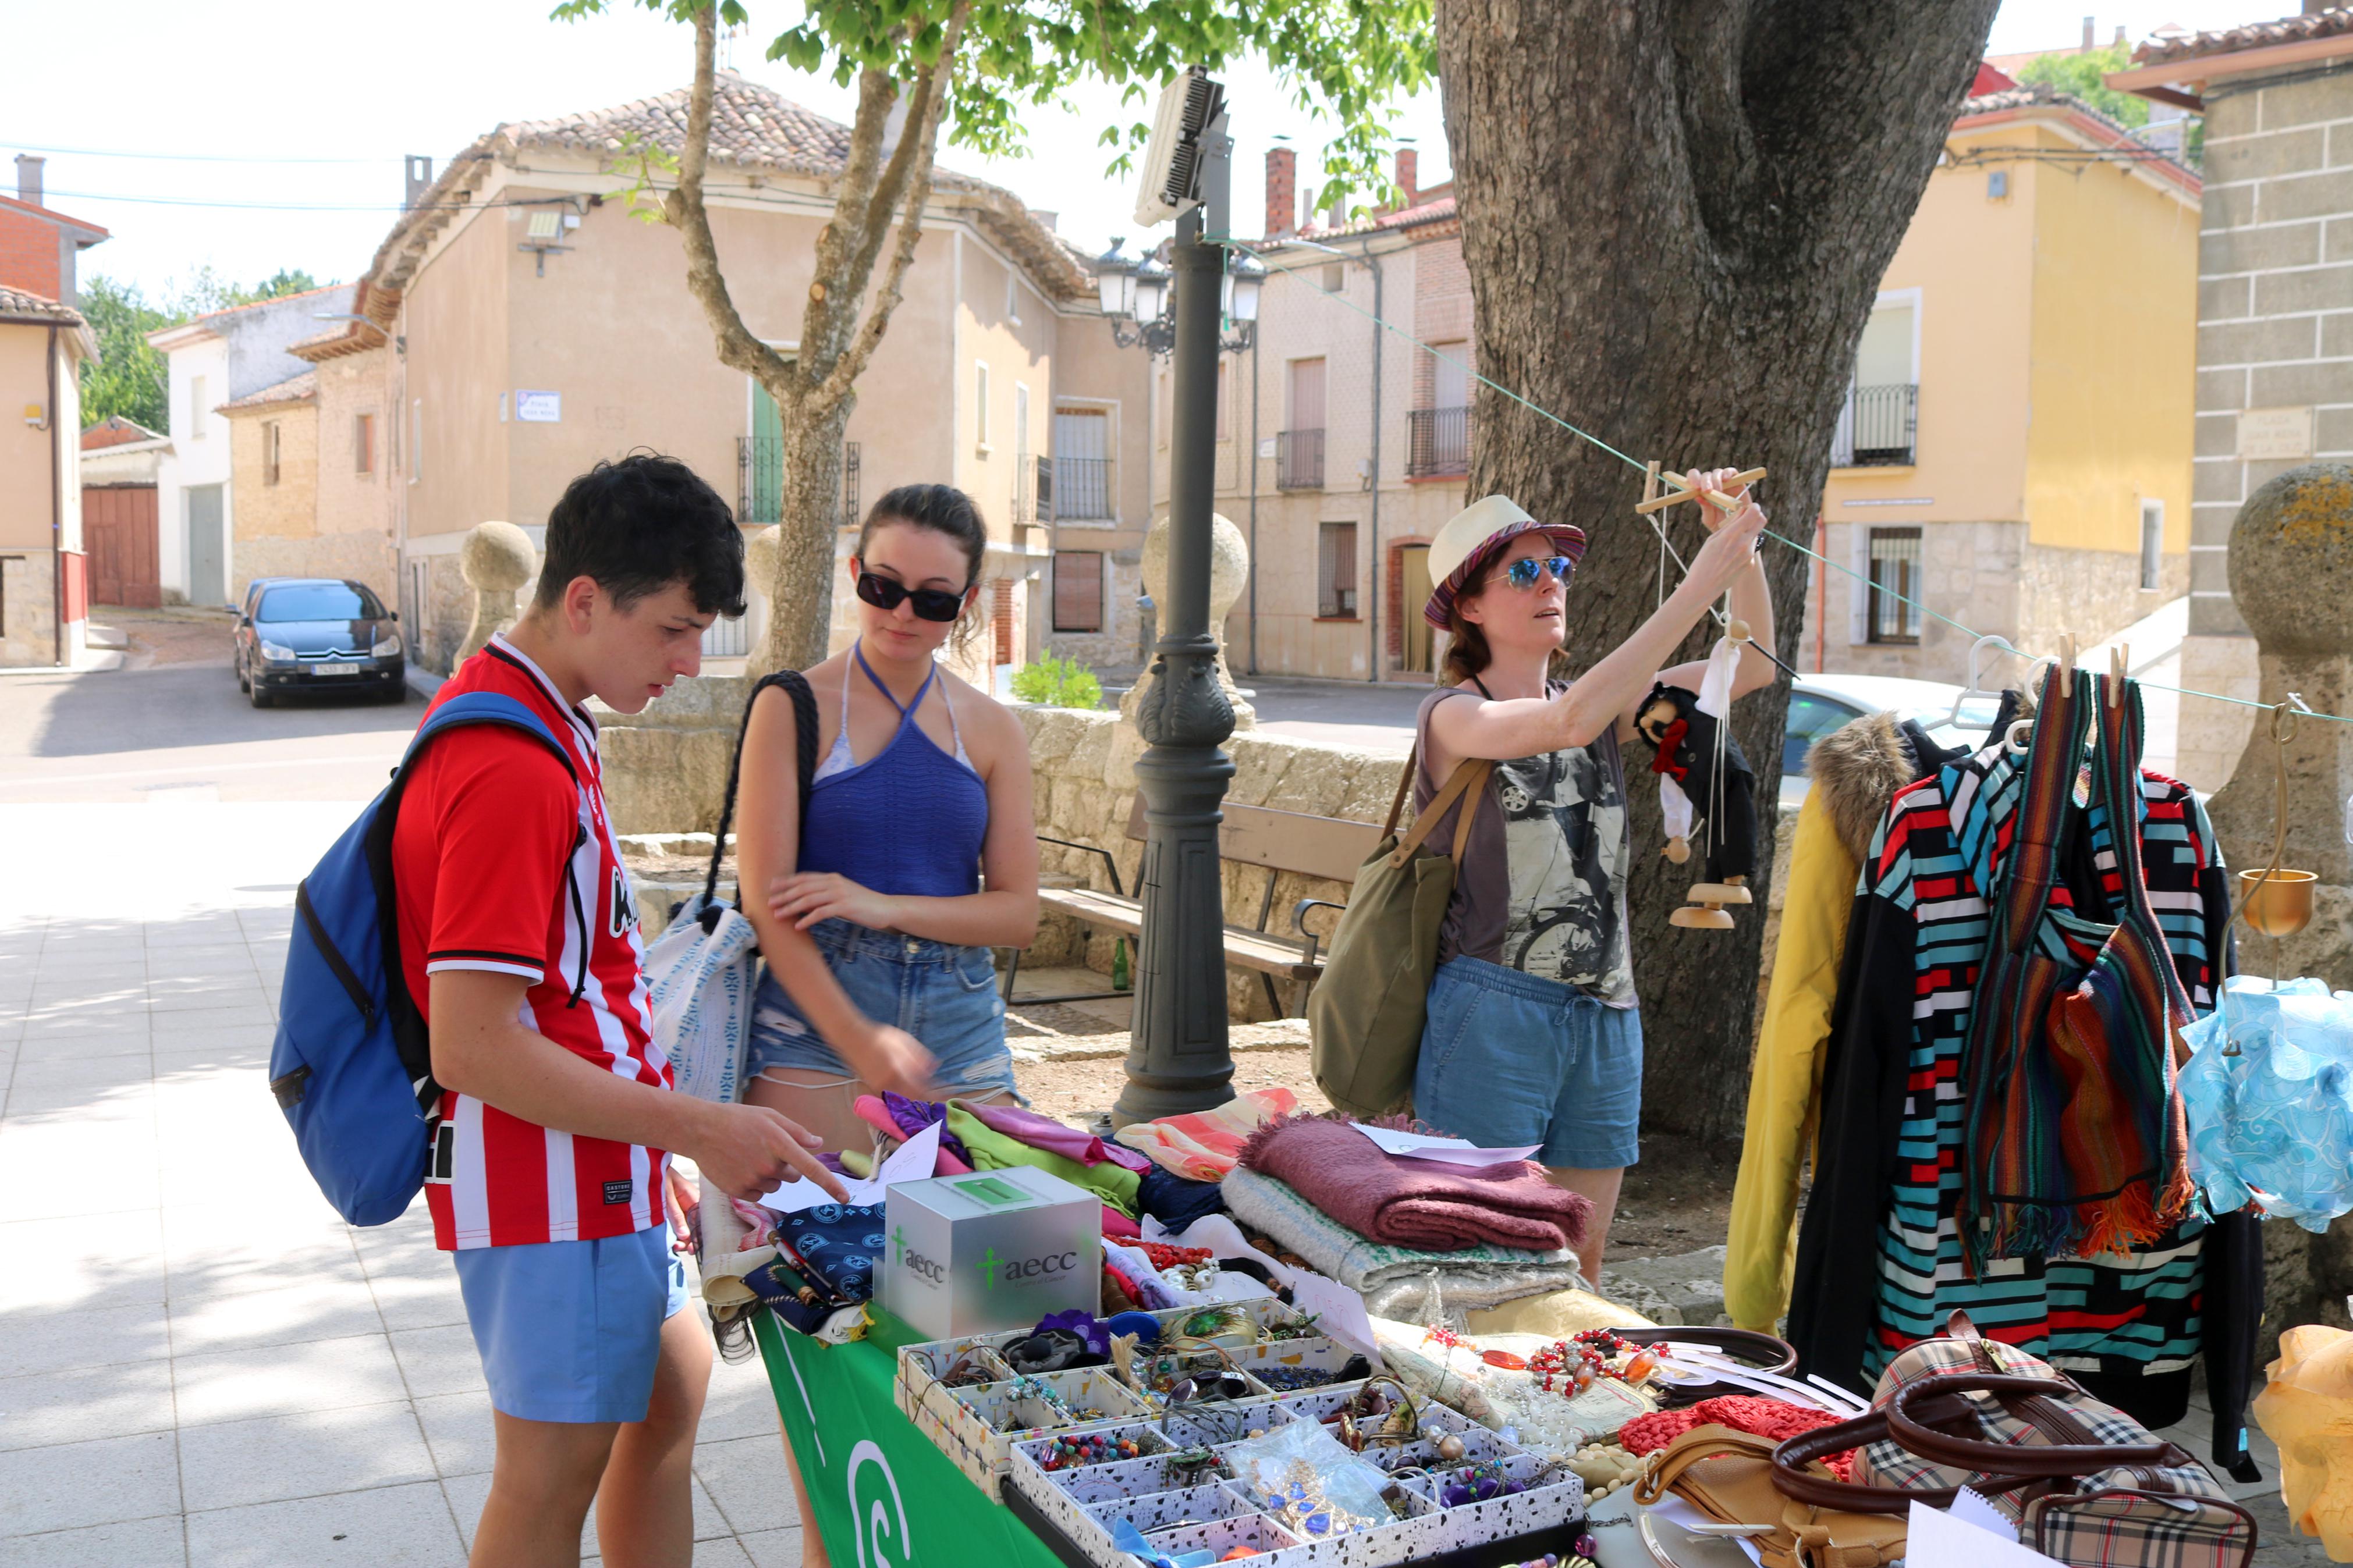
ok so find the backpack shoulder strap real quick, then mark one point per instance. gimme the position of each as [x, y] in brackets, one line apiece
[487, 708]
[805, 719]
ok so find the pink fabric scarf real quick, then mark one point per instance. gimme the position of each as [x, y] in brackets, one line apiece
[1425, 1204]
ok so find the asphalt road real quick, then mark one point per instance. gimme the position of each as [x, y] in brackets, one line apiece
[185, 732]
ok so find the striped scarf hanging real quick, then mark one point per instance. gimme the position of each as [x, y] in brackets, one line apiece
[2076, 1136]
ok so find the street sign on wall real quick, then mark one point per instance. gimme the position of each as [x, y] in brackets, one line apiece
[539, 407]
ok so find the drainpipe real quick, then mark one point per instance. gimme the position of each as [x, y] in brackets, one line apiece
[57, 519]
[1380, 573]
[1253, 503]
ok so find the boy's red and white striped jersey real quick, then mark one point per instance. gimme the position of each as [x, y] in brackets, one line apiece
[501, 863]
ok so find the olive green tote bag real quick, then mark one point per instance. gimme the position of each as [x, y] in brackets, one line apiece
[1365, 1013]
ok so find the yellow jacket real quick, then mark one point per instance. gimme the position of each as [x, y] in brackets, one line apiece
[1856, 771]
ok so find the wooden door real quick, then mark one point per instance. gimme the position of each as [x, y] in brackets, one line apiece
[117, 525]
[207, 546]
[1413, 592]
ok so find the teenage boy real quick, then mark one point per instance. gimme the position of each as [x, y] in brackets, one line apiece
[519, 936]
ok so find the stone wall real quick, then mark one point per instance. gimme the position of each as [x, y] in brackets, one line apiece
[666, 768]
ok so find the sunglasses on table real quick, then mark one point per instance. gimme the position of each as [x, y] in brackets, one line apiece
[1529, 569]
[930, 604]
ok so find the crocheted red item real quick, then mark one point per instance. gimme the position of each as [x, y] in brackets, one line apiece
[1164, 1255]
[1772, 1418]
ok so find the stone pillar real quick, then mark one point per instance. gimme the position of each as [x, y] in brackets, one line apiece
[760, 549]
[496, 559]
[1229, 575]
[2291, 560]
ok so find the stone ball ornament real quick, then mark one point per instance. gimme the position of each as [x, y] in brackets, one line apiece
[2292, 561]
[497, 557]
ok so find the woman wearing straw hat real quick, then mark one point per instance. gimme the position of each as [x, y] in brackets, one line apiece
[1533, 1034]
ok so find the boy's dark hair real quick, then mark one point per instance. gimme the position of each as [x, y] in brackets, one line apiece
[639, 525]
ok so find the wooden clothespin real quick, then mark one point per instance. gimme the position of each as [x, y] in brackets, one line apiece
[1649, 486]
[1654, 502]
[2067, 664]
[2119, 657]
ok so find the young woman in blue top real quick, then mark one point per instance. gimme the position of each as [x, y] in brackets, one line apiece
[919, 854]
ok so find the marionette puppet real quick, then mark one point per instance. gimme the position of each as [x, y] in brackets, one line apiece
[1703, 782]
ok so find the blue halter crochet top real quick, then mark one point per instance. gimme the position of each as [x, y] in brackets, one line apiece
[908, 821]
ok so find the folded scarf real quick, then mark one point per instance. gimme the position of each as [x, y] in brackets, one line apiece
[990, 1150]
[911, 1116]
[1426, 1205]
[1177, 1202]
[1774, 1419]
[1201, 1144]
[1054, 1137]
[1396, 1281]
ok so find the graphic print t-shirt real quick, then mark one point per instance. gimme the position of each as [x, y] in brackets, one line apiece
[1541, 888]
[504, 864]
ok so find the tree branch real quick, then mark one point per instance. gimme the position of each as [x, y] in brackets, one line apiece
[910, 166]
[683, 206]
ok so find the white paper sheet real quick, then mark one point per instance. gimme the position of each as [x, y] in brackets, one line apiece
[1971, 1509]
[1935, 1539]
[1339, 1312]
[1452, 1150]
[912, 1161]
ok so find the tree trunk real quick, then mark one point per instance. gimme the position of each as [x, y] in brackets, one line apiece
[800, 595]
[1675, 217]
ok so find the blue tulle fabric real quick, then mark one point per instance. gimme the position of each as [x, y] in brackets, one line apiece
[2274, 1123]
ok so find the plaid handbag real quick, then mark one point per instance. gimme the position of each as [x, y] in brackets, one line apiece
[2087, 1484]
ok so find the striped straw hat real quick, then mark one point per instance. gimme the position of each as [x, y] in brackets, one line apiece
[1473, 537]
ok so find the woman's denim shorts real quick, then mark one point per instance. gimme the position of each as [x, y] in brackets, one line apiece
[1509, 1058]
[943, 994]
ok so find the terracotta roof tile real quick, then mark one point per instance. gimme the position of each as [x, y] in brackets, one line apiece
[751, 125]
[2037, 95]
[2253, 36]
[114, 430]
[302, 388]
[23, 304]
[56, 216]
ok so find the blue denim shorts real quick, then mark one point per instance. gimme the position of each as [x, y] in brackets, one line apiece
[1509, 1058]
[943, 994]
[571, 1331]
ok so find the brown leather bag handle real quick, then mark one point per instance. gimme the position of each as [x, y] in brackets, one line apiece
[2029, 1398]
[1470, 774]
[1792, 1479]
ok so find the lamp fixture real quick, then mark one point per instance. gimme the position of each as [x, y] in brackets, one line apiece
[1136, 297]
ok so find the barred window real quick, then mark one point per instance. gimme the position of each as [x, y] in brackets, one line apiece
[1894, 580]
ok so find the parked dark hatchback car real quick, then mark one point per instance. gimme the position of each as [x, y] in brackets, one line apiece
[318, 634]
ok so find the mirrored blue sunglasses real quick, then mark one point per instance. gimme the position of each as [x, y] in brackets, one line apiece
[1524, 571]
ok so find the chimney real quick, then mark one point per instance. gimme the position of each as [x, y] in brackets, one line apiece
[2088, 31]
[28, 179]
[2120, 34]
[420, 178]
[1407, 162]
[1282, 192]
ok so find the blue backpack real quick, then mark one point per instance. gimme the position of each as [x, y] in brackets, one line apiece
[353, 1062]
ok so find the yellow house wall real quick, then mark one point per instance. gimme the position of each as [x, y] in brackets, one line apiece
[1972, 261]
[290, 507]
[356, 509]
[25, 474]
[2115, 354]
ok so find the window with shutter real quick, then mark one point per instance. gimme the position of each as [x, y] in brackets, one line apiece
[1078, 590]
[1335, 571]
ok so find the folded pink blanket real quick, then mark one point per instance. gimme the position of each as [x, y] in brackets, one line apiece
[1419, 1203]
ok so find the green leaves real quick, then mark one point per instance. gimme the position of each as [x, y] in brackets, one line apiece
[1341, 60]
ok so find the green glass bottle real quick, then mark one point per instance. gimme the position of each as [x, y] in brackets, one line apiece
[1120, 980]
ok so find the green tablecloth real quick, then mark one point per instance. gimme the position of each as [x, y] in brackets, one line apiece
[883, 1496]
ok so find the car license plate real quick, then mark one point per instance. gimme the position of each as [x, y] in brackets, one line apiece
[335, 669]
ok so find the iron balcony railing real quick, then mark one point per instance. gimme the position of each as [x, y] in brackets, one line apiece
[1298, 460]
[1438, 441]
[1083, 490]
[760, 480]
[1878, 427]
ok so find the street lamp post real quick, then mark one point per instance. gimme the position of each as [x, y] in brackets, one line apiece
[1178, 1060]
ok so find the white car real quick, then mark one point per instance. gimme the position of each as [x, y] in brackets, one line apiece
[1820, 704]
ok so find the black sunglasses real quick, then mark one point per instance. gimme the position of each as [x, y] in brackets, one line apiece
[931, 603]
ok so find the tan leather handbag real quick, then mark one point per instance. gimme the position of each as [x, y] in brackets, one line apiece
[1729, 1476]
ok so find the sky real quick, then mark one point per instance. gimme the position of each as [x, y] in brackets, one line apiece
[276, 141]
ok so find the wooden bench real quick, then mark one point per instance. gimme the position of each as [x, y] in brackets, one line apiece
[1279, 841]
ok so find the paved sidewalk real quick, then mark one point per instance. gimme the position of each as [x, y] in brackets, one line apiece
[199, 1364]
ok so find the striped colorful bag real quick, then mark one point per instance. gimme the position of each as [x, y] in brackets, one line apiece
[2076, 1140]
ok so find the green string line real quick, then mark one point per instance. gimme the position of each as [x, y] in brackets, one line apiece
[1644, 469]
